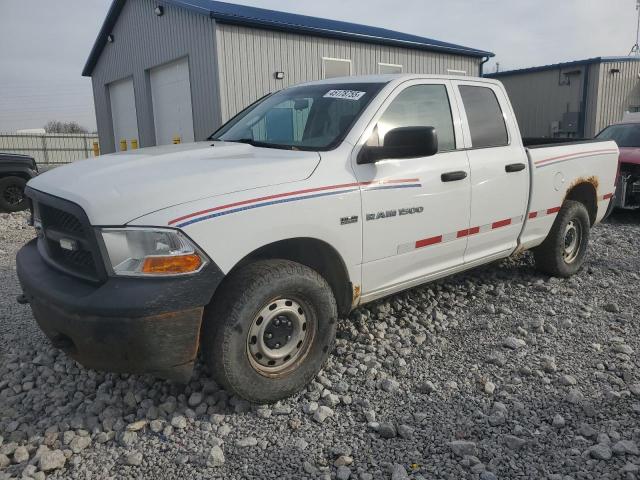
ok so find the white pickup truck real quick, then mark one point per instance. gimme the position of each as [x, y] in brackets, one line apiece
[312, 201]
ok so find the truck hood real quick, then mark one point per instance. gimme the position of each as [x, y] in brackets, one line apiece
[118, 188]
[630, 155]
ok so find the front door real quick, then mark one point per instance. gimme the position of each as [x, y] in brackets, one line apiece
[415, 211]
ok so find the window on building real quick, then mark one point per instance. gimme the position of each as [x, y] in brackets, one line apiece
[389, 68]
[336, 67]
[486, 120]
[420, 106]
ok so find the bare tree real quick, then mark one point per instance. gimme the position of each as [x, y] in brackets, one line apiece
[55, 126]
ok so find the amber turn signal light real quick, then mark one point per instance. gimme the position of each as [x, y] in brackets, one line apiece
[172, 265]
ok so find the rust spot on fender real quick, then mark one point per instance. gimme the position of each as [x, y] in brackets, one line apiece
[593, 180]
[518, 251]
[356, 295]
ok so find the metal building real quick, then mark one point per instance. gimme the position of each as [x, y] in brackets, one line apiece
[573, 99]
[179, 68]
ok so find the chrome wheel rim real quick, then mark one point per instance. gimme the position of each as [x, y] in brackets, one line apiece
[280, 337]
[572, 241]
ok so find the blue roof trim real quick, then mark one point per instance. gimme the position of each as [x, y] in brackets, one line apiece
[556, 66]
[274, 20]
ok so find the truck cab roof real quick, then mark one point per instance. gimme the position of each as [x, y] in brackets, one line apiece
[398, 78]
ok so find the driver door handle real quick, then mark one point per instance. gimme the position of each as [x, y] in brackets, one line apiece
[515, 167]
[453, 176]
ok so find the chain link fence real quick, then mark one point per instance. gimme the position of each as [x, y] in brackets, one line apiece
[50, 149]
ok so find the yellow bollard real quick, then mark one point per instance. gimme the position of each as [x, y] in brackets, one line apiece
[96, 149]
[177, 140]
[123, 145]
[134, 144]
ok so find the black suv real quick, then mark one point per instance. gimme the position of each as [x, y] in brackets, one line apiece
[15, 171]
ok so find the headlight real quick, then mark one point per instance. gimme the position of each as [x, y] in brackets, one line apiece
[151, 252]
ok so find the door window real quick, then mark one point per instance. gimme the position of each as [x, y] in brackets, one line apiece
[420, 106]
[486, 120]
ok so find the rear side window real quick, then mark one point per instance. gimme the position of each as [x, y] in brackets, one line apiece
[486, 120]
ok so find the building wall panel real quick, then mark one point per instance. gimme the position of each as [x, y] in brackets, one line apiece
[248, 59]
[618, 92]
[593, 97]
[143, 41]
[539, 98]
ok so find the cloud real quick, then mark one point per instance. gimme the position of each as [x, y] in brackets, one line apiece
[43, 45]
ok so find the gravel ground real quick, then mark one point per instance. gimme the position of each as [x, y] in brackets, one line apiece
[497, 373]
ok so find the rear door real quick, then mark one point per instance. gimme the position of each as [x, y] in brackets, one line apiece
[414, 222]
[499, 170]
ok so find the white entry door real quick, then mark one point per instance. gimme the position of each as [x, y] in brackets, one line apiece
[123, 112]
[171, 97]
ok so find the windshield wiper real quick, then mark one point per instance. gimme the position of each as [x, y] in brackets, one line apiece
[256, 143]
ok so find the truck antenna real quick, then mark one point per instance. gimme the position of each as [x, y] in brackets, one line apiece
[635, 50]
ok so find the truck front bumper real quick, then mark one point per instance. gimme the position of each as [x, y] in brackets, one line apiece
[124, 325]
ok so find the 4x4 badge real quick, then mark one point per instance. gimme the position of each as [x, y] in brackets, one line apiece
[349, 220]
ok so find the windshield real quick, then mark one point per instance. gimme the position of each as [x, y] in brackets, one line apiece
[627, 135]
[311, 117]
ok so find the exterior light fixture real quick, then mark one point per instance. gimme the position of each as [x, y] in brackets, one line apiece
[159, 10]
[279, 75]
[110, 38]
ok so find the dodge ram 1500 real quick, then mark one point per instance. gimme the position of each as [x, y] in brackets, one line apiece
[314, 200]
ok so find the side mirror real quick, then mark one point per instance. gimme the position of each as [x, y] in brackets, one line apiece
[404, 142]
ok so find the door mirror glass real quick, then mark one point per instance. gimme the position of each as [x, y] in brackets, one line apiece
[403, 142]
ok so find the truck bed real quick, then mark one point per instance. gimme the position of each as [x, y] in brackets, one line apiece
[561, 171]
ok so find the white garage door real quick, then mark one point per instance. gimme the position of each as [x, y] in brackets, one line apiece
[123, 112]
[171, 96]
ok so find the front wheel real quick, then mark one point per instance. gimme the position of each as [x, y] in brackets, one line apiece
[269, 330]
[563, 252]
[12, 197]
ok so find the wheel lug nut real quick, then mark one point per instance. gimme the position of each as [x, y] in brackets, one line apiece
[269, 336]
[277, 323]
[277, 345]
[288, 337]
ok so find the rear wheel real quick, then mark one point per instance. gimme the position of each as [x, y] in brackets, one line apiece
[269, 330]
[12, 197]
[563, 252]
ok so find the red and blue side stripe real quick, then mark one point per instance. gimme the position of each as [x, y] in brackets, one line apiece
[288, 197]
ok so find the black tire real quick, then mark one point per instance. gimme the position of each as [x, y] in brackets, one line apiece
[235, 312]
[551, 257]
[12, 198]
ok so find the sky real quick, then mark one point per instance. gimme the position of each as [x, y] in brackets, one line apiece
[44, 44]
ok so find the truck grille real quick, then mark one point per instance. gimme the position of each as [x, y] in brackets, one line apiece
[67, 222]
[61, 220]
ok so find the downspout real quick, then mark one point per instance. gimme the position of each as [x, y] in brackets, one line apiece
[585, 97]
[486, 59]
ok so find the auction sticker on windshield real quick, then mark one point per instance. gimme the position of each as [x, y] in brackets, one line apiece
[345, 94]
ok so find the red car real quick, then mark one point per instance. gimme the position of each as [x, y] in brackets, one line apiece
[627, 136]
